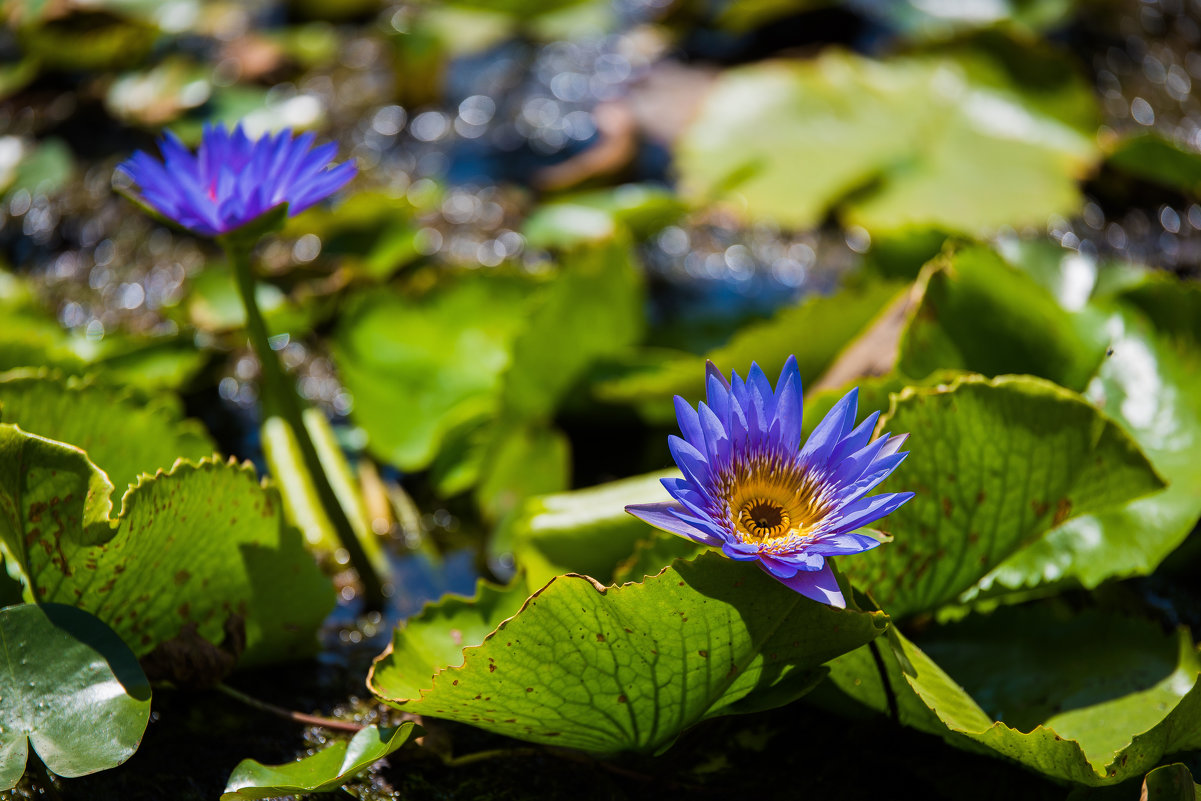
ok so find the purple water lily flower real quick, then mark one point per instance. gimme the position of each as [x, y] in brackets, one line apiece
[748, 490]
[233, 179]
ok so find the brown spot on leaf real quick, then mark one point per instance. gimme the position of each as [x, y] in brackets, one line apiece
[980, 497]
[181, 577]
[491, 668]
[1063, 510]
[946, 506]
[621, 699]
[1039, 507]
[600, 638]
[704, 654]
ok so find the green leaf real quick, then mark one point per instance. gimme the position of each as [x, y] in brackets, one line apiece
[995, 464]
[586, 531]
[522, 461]
[1151, 385]
[1170, 783]
[901, 143]
[654, 553]
[42, 170]
[322, 772]
[979, 314]
[593, 309]
[1153, 157]
[1104, 697]
[71, 688]
[123, 434]
[815, 330]
[195, 552]
[622, 668]
[419, 369]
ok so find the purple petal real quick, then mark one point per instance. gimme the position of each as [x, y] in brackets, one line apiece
[660, 516]
[843, 544]
[690, 424]
[863, 511]
[830, 431]
[818, 585]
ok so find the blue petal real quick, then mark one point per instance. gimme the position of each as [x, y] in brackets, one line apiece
[690, 424]
[843, 544]
[857, 439]
[818, 585]
[863, 511]
[778, 569]
[830, 431]
[690, 460]
[786, 428]
[717, 441]
[659, 515]
[738, 551]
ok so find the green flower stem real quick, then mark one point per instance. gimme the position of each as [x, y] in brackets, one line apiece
[288, 714]
[280, 398]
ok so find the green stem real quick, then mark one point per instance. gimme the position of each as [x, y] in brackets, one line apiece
[279, 397]
[298, 717]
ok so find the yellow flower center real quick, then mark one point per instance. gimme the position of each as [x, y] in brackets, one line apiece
[773, 504]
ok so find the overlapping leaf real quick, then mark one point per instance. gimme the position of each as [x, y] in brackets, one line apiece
[620, 668]
[71, 689]
[995, 464]
[194, 554]
[1093, 699]
[898, 143]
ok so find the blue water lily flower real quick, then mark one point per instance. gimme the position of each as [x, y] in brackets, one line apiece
[749, 489]
[232, 179]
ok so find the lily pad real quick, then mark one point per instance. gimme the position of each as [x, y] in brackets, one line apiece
[72, 690]
[995, 465]
[1171, 783]
[1153, 157]
[322, 772]
[977, 313]
[895, 144]
[195, 554]
[610, 669]
[124, 434]
[1103, 698]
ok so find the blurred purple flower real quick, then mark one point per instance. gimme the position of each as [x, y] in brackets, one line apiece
[748, 490]
[232, 180]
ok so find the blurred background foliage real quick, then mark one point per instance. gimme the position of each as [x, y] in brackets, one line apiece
[563, 208]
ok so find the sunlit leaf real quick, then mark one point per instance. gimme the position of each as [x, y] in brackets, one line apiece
[902, 143]
[123, 434]
[322, 772]
[72, 690]
[621, 668]
[1091, 698]
[995, 464]
[194, 554]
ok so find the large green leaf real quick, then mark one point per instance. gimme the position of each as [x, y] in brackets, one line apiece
[418, 369]
[1102, 698]
[1151, 385]
[322, 772]
[977, 313]
[123, 434]
[622, 668]
[195, 553]
[898, 143]
[1171, 783]
[814, 331]
[71, 689]
[995, 464]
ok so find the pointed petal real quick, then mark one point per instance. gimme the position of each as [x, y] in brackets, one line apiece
[819, 585]
[863, 511]
[659, 515]
[830, 431]
[690, 424]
